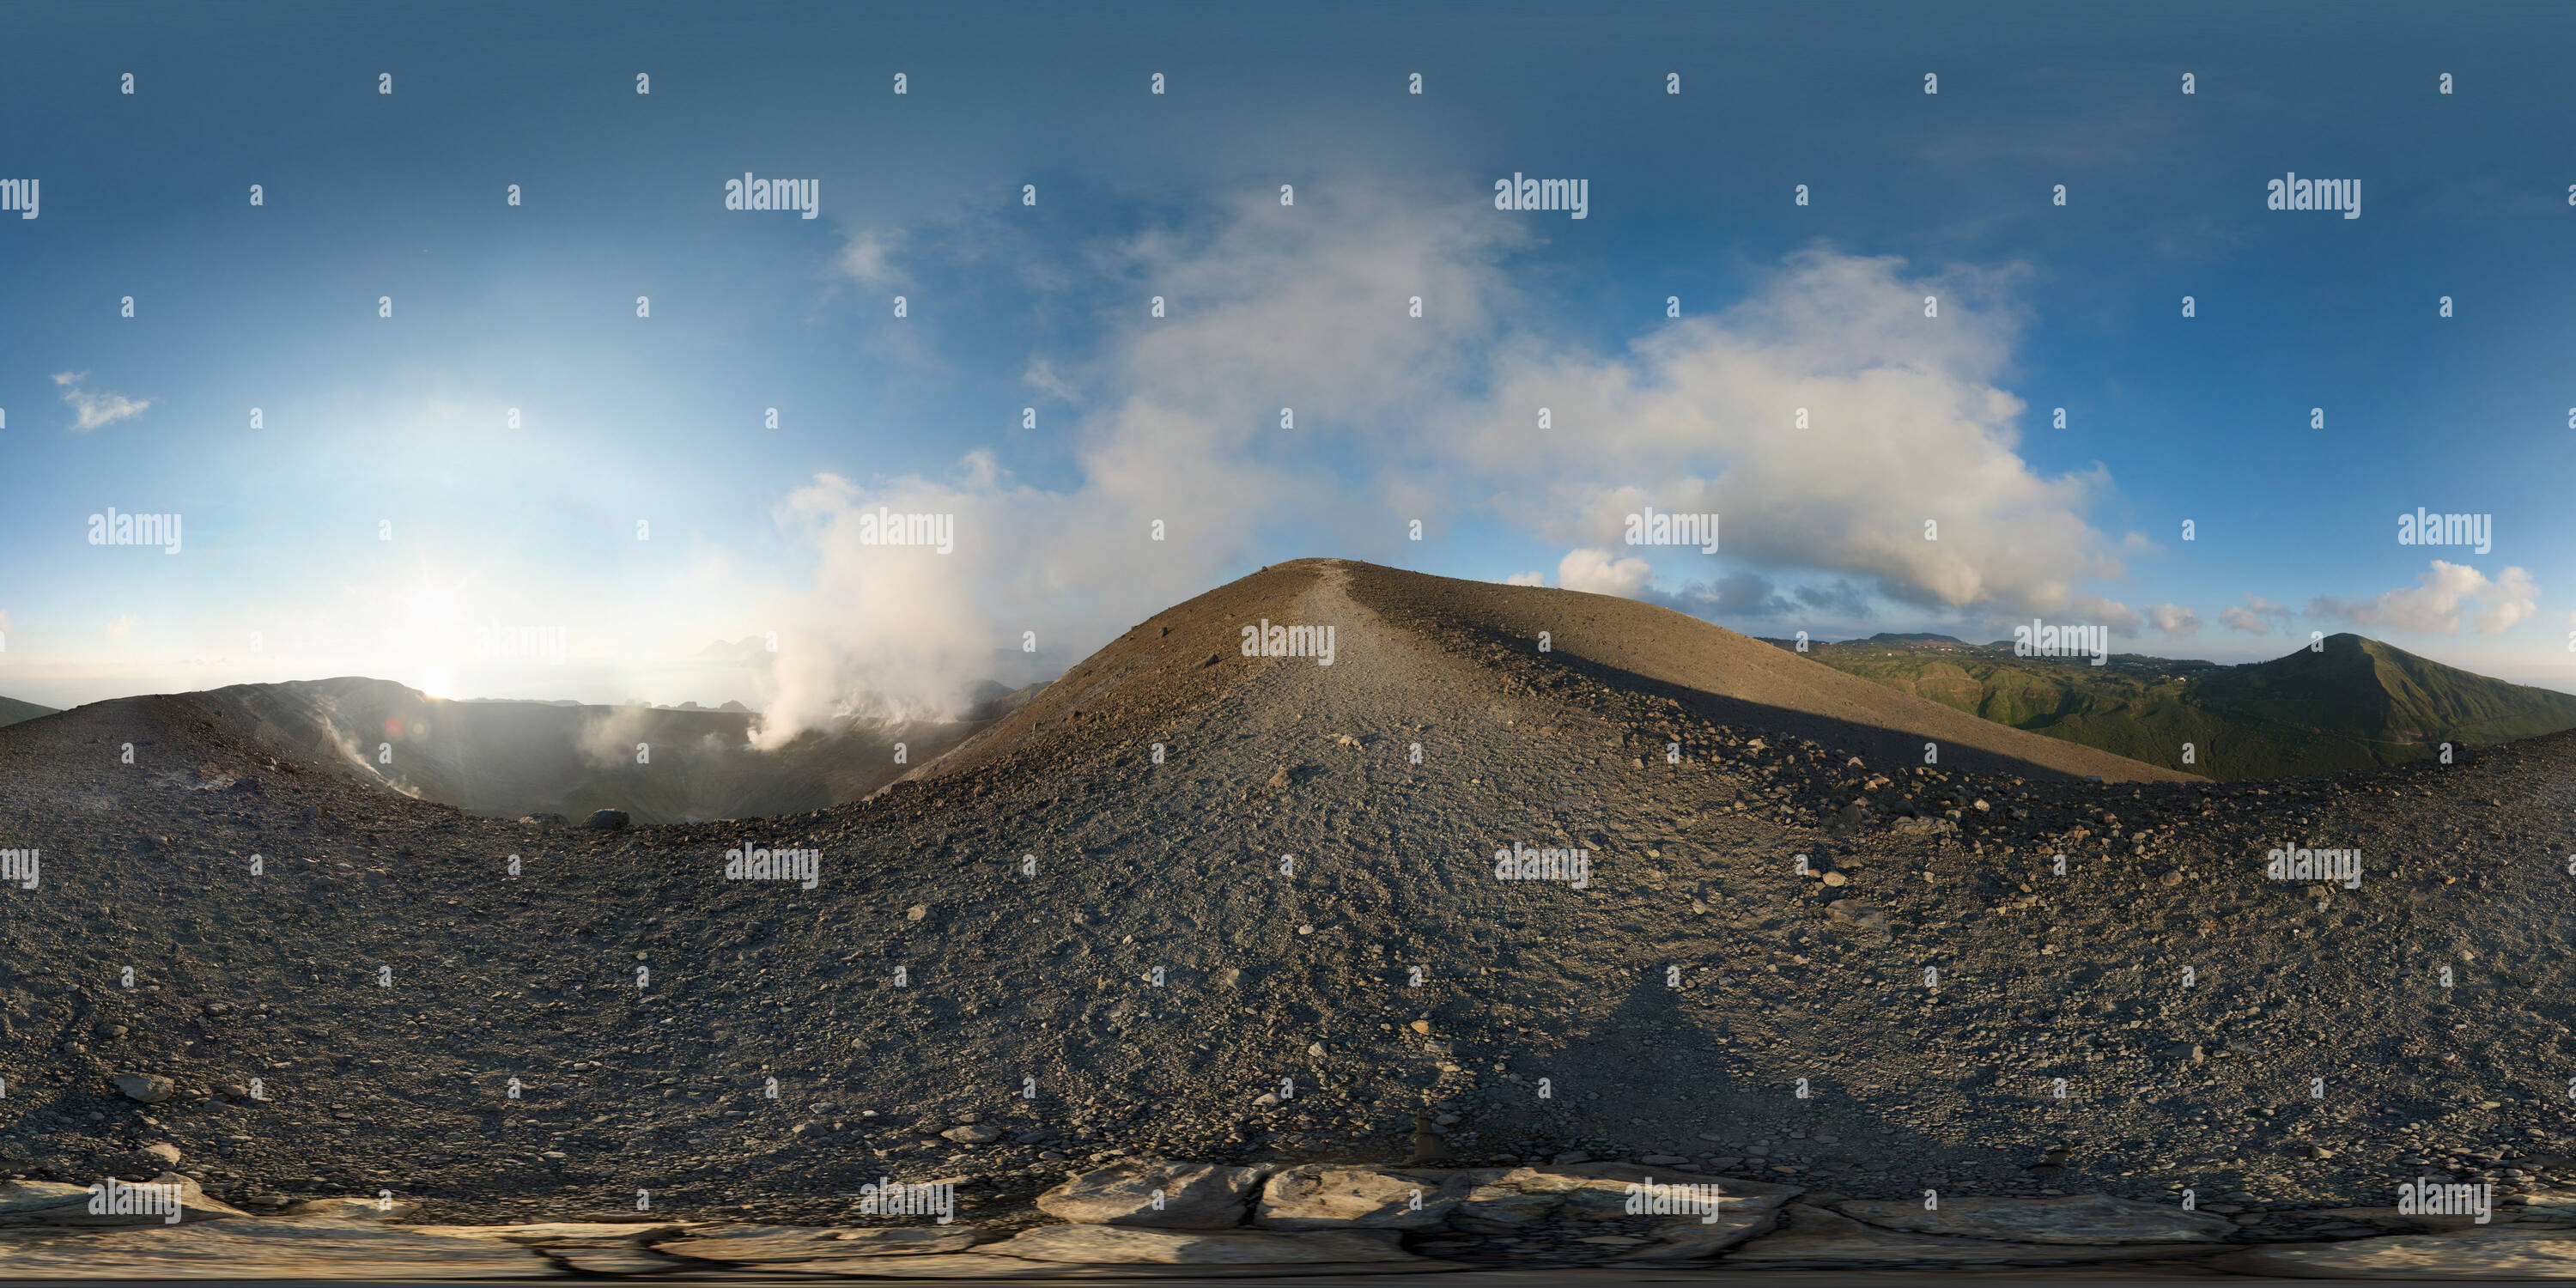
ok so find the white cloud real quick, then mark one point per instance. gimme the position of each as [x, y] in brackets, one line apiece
[1906, 423]
[1041, 376]
[2257, 616]
[2174, 620]
[1308, 306]
[1526, 579]
[1598, 572]
[2437, 604]
[92, 410]
[863, 261]
[2119, 617]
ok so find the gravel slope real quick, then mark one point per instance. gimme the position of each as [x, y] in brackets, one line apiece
[1307, 975]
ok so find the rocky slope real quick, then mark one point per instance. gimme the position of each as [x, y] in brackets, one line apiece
[1285, 939]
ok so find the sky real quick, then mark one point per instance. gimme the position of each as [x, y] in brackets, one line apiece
[528, 450]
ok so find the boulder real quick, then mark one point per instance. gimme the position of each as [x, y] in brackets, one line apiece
[146, 1088]
[2502, 1254]
[1121, 1245]
[193, 1206]
[259, 1248]
[1325, 1196]
[607, 820]
[19, 1199]
[2081, 1218]
[1594, 1192]
[1196, 1196]
[346, 1209]
[1698, 1238]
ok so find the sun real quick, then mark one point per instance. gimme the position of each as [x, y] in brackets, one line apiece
[438, 683]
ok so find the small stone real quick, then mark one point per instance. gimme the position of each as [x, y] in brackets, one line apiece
[973, 1135]
[1422, 1027]
[1836, 879]
[162, 1152]
[146, 1088]
[1571, 1156]
[915, 913]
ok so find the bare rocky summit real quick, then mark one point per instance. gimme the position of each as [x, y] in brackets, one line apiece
[1281, 939]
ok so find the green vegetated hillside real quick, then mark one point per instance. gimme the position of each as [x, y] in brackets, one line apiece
[12, 711]
[2355, 704]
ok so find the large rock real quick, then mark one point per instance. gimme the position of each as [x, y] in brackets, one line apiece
[561, 1234]
[1698, 1239]
[1196, 1196]
[24, 1199]
[1817, 1237]
[193, 1206]
[258, 1248]
[606, 820]
[2082, 1218]
[346, 1209]
[2504, 1254]
[983, 1268]
[1593, 1192]
[773, 1244]
[1322, 1196]
[1122, 1245]
[146, 1088]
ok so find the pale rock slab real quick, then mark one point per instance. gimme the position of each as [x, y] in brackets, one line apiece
[1329, 1197]
[2504, 1254]
[256, 1248]
[1127, 1245]
[1196, 1196]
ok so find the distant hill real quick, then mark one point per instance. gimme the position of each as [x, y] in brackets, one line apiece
[2356, 704]
[12, 711]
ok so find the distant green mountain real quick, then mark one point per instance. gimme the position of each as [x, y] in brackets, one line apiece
[2355, 704]
[12, 711]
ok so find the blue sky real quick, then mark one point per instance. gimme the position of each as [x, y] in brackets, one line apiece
[377, 426]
